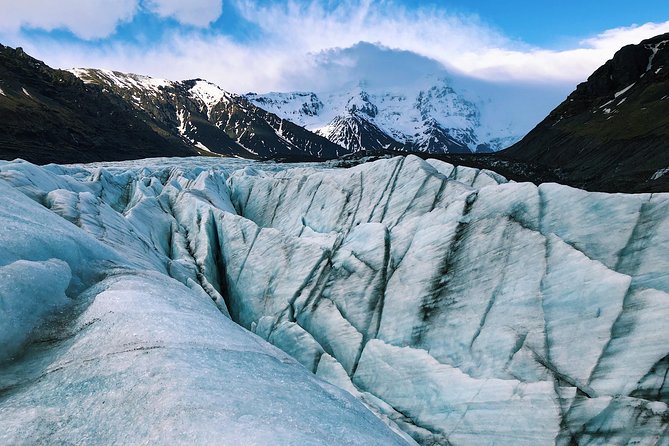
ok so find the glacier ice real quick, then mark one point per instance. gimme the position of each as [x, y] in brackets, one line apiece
[459, 307]
[107, 339]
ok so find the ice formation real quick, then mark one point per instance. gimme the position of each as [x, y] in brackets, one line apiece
[459, 307]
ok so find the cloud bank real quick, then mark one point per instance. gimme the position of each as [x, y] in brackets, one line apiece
[298, 45]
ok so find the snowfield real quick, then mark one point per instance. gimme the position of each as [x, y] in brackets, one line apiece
[136, 300]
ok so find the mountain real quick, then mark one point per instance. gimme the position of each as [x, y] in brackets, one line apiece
[612, 132]
[459, 307]
[49, 115]
[212, 119]
[427, 116]
[83, 115]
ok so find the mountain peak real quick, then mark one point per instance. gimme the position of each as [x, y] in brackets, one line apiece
[428, 116]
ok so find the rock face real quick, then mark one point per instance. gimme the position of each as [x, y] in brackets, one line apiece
[461, 308]
[612, 132]
[430, 117]
[49, 115]
[211, 119]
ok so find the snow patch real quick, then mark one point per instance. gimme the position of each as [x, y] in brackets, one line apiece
[122, 80]
[624, 90]
[655, 48]
[660, 173]
[607, 104]
[199, 145]
[183, 121]
[210, 94]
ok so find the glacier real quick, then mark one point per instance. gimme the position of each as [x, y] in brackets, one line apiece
[453, 307]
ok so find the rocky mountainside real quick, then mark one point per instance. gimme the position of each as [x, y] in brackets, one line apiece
[211, 119]
[612, 132]
[49, 115]
[460, 308]
[429, 117]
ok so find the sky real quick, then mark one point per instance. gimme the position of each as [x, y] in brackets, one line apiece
[286, 45]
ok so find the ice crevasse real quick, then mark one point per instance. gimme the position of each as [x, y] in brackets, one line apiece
[458, 307]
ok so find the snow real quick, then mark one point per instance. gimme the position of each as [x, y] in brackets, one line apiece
[406, 113]
[199, 145]
[123, 80]
[82, 74]
[208, 93]
[624, 90]
[2, 92]
[25, 92]
[183, 121]
[459, 307]
[654, 48]
[660, 173]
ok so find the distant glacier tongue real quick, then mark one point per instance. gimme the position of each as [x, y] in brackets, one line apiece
[460, 308]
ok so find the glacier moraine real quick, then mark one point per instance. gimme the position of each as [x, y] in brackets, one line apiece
[460, 308]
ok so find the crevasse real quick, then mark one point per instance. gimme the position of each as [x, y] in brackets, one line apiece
[460, 308]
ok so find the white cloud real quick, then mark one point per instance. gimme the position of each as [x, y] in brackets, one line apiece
[87, 19]
[463, 43]
[569, 65]
[193, 12]
[289, 51]
[95, 19]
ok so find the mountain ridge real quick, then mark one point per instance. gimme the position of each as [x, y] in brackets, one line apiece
[612, 131]
[211, 118]
[430, 116]
[69, 121]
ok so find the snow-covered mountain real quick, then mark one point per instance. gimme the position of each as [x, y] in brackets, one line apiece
[210, 118]
[429, 115]
[459, 307]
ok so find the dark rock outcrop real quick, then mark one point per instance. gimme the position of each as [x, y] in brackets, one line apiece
[612, 132]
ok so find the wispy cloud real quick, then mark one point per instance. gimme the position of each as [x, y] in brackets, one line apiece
[294, 39]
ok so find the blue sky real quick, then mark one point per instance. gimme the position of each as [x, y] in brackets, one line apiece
[287, 45]
[557, 23]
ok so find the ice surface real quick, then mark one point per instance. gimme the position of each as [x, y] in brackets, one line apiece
[122, 340]
[458, 307]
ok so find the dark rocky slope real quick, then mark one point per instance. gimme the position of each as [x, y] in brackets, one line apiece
[49, 115]
[212, 119]
[612, 132]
